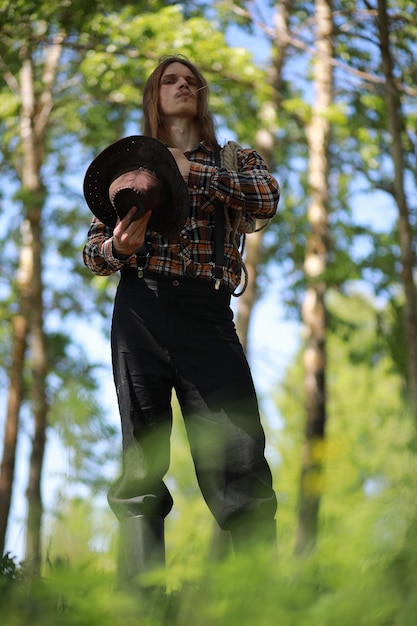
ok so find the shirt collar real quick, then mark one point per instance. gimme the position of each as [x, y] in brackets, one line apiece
[201, 146]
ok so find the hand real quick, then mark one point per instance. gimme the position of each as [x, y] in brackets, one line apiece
[129, 234]
[183, 163]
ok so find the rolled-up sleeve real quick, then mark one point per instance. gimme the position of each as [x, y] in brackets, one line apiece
[252, 189]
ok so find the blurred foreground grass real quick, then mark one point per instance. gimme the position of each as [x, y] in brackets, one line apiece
[338, 584]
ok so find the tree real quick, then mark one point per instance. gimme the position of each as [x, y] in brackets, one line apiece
[360, 165]
[74, 86]
[265, 143]
[396, 126]
[367, 511]
[33, 128]
[315, 265]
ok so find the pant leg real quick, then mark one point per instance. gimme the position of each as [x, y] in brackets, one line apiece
[184, 334]
[218, 400]
[143, 377]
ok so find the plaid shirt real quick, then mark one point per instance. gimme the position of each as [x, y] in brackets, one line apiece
[251, 192]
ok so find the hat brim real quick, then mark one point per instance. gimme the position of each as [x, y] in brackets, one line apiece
[138, 151]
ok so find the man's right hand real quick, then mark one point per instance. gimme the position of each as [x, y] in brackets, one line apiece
[129, 234]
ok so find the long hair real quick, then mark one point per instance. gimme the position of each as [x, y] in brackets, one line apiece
[153, 120]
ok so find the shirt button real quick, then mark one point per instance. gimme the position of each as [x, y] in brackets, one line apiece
[176, 283]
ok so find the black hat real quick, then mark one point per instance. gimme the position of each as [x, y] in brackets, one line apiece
[168, 199]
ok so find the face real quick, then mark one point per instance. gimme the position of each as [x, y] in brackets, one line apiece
[178, 92]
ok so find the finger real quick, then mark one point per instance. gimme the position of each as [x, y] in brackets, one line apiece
[123, 223]
[137, 227]
[128, 218]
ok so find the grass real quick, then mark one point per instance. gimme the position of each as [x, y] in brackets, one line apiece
[320, 590]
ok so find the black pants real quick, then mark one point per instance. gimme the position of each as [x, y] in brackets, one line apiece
[180, 335]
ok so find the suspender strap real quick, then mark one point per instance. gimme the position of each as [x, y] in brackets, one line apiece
[219, 228]
[142, 256]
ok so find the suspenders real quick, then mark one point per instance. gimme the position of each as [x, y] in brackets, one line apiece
[219, 228]
[142, 254]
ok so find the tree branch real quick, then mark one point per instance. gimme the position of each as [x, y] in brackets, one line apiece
[310, 49]
[45, 103]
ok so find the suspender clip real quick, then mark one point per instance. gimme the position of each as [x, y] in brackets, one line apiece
[142, 256]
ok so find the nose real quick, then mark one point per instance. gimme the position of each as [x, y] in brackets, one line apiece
[182, 83]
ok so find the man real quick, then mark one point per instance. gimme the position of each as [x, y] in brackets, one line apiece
[173, 328]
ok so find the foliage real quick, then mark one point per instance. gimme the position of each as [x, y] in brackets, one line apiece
[360, 182]
[363, 569]
[368, 420]
[107, 54]
[345, 582]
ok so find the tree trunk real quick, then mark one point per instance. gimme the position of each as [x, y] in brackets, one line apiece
[220, 541]
[29, 319]
[19, 339]
[34, 198]
[248, 298]
[40, 409]
[25, 277]
[313, 309]
[35, 118]
[264, 143]
[396, 129]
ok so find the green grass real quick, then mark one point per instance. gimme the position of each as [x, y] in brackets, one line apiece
[330, 587]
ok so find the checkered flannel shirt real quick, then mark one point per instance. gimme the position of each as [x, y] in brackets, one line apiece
[250, 193]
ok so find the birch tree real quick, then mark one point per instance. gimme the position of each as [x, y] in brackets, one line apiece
[315, 265]
[34, 119]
